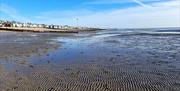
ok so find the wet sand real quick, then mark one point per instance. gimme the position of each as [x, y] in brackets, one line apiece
[46, 30]
[94, 61]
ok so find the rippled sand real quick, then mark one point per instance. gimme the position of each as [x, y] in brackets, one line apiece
[95, 61]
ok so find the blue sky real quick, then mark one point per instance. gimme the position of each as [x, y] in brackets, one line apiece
[95, 13]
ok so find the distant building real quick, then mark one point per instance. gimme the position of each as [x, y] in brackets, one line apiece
[51, 26]
[1, 23]
[34, 25]
[7, 24]
[66, 27]
[17, 25]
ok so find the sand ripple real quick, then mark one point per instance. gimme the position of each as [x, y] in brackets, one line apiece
[92, 77]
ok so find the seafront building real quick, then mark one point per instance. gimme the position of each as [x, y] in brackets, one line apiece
[1, 23]
[16, 24]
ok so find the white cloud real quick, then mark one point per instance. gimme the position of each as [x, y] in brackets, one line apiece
[97, 2]
[141, 4]
[157, 14]
[13, 13]
[105, 2]
[161, 14]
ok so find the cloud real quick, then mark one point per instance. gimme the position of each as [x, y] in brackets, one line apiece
[104, 2]
[61, 17]
[154, 14]
[96, 2]
[141, 4]
[161, 14]
[64, 13]
[13, 13]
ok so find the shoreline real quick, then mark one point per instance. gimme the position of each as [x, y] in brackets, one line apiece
[43, 30]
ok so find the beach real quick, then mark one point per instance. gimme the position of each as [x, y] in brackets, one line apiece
[106, 60]
[46, 30]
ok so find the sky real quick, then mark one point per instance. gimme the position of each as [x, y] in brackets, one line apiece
[94, 13]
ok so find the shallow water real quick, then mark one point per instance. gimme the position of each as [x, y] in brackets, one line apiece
[108, 60]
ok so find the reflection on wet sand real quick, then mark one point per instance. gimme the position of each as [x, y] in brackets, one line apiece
[97, 61]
